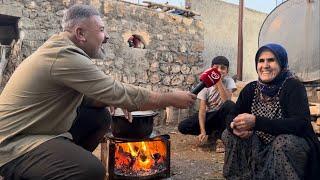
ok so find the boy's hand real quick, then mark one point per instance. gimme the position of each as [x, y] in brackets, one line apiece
[202, 137]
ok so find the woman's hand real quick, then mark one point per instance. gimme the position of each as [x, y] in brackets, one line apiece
[242, 125]
[242, 134]
[244, 122]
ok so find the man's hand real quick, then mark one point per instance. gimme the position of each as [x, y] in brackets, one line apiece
[112, 110]
[202, 137]
[181, 99]
[244, 122]
[126, 113]
[178, 99]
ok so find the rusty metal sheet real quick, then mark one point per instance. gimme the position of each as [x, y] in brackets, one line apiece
[295, 25]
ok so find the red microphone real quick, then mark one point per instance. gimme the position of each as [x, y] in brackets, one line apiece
[207, 79]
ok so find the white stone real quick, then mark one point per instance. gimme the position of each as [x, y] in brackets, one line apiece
[182, 48]
[154, 66]
[196, 70]
[165, 68]
[185, 69]
[175, 68]
[166, 80]
[155, 78]
[190, 79]
[160, 37]
[119, 63]
[177, 80]
[187, 21]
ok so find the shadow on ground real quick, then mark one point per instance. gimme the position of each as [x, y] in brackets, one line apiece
[191, 161]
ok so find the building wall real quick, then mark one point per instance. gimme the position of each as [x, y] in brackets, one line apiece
[220, 20]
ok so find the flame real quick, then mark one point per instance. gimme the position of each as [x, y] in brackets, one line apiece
[132, 151]
[140, 157]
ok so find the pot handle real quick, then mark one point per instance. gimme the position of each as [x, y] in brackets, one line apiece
[166, 136]
[155, 114]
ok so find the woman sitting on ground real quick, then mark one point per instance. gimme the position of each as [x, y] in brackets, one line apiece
[269, 134]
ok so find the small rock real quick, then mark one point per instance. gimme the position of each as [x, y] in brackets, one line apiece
[173, 132]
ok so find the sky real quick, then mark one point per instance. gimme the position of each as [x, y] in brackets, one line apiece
[265, 6]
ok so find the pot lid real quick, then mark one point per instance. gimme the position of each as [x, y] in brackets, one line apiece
[119, 112]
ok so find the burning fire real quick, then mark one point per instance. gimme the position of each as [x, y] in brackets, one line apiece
[140, 158]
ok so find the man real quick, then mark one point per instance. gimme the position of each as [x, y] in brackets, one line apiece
[38, 105]
[214, 105]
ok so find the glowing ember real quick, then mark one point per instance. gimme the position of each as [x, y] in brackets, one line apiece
[140, 158]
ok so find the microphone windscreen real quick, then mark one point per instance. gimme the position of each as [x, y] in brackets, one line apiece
[210, 77]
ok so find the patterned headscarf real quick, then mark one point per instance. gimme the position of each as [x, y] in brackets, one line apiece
[271, 88]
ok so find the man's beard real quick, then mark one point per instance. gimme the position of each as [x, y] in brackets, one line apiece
[99, 54]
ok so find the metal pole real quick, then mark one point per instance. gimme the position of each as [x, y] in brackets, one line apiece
[240, 42]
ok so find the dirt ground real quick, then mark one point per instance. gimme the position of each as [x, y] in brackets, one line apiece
[188, 159]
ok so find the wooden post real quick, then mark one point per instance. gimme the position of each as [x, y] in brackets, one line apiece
[104, 156]
[240, 42]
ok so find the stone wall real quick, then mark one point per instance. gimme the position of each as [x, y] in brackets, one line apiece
[173, 46]
[171, 59]
[220, 20]
[38, 21]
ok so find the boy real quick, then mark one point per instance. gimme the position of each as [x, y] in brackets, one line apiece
[214, 106]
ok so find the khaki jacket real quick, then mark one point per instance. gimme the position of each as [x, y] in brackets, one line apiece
[40, 100]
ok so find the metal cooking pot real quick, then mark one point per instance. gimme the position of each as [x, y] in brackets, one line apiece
[141, 126]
